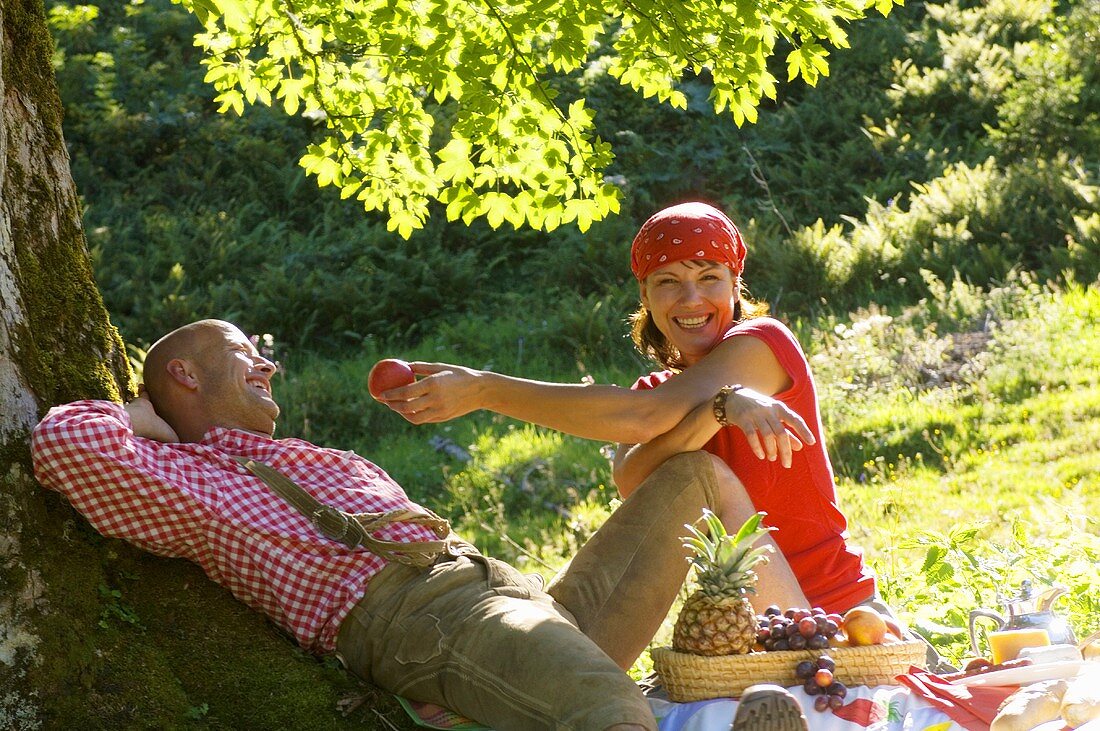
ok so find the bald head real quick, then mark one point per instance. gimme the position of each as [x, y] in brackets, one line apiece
[186, 343]
[209, 374]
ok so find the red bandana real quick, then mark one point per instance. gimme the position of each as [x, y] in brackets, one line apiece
[687, 231]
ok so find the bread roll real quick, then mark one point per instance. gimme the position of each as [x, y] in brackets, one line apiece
[1030, 706]
[1056, 725]
[1081, 701]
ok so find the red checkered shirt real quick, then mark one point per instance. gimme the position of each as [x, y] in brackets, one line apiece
[193, 501]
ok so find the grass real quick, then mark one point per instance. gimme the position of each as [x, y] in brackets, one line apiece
[1008, 447]
[965, 434]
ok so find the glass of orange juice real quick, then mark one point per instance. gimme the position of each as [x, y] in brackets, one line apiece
[1006, 645]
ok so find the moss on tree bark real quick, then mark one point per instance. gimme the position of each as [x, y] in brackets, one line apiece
[93, 632]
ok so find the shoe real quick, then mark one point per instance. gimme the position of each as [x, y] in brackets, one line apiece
[652, 687]
[768, 707]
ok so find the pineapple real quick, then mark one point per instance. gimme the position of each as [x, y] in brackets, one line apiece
[717, 619]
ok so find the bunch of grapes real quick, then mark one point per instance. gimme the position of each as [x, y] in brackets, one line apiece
[817, 676]
[796, 628]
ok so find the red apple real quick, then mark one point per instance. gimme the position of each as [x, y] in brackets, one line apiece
[389, 373]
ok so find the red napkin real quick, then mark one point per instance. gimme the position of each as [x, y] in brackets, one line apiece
[972, 707]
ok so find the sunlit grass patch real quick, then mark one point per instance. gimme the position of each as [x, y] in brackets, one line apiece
[529, 495]
[1011, 447]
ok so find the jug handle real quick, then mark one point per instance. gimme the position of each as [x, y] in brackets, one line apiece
[977, 614]
[1088, 641]
[1047, 598]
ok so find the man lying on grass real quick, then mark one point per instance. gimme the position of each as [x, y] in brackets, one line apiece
[190, 469]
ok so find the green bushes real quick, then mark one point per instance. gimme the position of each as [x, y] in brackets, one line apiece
[949, 138]
[978, 222]
[1054, 106]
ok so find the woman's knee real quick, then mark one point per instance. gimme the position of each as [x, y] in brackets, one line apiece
[722, 471]
[725, 492]
[695, 461]
[733, 500]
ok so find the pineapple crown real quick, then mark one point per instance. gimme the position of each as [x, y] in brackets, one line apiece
[724, 563]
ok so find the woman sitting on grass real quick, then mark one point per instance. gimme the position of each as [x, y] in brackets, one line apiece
[732, 383]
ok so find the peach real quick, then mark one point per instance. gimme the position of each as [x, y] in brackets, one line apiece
[893, 627]
[864, 626]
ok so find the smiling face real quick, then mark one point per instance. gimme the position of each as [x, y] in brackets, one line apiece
[234, 381]
[692, 304]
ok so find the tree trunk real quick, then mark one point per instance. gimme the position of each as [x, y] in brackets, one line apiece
[56, 342]
[92, 631]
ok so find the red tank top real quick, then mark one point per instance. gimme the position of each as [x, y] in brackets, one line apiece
[800, 501]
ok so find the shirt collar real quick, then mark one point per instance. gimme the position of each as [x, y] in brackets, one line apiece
[224, 438]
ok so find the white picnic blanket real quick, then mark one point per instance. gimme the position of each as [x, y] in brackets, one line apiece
[881, 708]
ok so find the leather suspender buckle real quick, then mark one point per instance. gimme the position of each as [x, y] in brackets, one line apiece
[332, 523]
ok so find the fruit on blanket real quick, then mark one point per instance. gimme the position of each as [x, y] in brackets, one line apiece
[976, 665]
[864, 626]
[818, 680]
[718, 619]
[388, 373]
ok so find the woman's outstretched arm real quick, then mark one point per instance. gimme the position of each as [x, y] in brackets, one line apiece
[601, 412]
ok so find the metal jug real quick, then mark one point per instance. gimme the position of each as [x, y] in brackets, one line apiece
[1026, 612]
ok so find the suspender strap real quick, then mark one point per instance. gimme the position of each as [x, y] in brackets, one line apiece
[355, 529]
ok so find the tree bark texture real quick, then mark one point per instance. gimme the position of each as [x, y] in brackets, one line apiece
[93, 632]
[56, 343]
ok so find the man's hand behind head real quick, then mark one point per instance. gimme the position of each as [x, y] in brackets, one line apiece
[146, 423]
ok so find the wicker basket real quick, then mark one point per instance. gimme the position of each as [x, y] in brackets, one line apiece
[689, 677]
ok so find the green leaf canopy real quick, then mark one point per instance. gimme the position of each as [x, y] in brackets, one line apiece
[449, 100]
